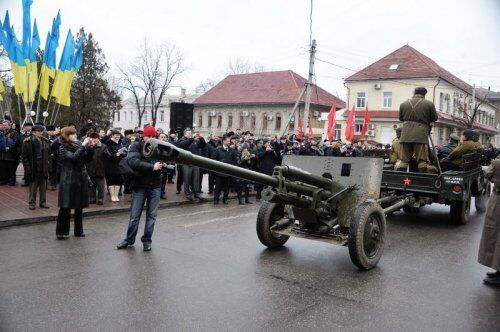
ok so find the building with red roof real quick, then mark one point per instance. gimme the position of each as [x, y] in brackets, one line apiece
[386, 83]
[260, 103]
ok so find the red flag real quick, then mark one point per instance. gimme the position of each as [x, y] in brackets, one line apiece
[310, 132]
[366, 121]
[349, 131]
[300, 133]
[331, 121]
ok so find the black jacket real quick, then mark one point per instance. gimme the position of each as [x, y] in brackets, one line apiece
[195, 147]
[146, 177]
[267, 160]
[74, 182]
[9, 143]
[112, 160]
[28, 157]
[229, 157]
[96, 167]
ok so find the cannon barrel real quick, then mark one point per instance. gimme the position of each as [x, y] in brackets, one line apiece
[164, 151]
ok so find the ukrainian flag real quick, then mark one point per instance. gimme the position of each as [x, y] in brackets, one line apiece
[65, 72]
[77, 63]
[31, 65]
[2, 88]
[49, 57]
[15, 54]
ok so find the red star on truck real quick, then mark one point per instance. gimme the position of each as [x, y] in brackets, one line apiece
[406, 181]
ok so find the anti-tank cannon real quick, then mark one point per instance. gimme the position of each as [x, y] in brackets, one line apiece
[329, 199]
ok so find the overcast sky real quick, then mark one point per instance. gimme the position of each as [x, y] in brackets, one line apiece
[463, 36]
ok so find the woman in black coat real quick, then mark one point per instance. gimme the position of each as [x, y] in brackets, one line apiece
[114, 153]
[74, 181]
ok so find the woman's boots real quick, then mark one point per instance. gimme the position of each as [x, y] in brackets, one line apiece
[113, 192]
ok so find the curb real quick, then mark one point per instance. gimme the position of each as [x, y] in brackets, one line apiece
[101, 212]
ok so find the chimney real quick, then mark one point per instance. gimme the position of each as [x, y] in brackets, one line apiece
[183, 93]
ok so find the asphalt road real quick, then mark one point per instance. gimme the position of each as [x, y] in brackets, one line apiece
[208, 272]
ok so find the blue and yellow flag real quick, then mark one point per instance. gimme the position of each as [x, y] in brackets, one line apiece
[63, 74]
[49, 57]
[17, 62]
[31, 65]
[27, 28]
[2, 88]
[75, 66]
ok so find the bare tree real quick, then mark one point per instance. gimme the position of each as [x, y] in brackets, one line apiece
[242, 66]
[205, 85]
[468, 110]
[149, 76]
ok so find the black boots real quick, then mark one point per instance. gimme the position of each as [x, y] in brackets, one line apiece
[492, 279]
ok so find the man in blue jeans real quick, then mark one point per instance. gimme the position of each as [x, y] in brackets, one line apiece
[145, 188]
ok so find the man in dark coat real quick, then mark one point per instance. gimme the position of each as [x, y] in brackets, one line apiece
[196, 145]
[212, 145]
[96, 169]
[145, 187]
[35, 154]
[226, 155]
[446, 149]
[417, 114]
[267, 159]
[9, 142]
[489, 248]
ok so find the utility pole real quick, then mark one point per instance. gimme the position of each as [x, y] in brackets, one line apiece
[312, 53]
[473, 110]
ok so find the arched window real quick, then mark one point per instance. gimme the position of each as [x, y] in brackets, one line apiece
[277, 123]
[200, 120]
[242, 121]
[209, 125]
[252, 122]
[264, 122]
[219, 120]
[229, 121]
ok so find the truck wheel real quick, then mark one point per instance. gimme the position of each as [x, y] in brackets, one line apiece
[480, 201]
[367, 235]
[269, 213]
[459, 211]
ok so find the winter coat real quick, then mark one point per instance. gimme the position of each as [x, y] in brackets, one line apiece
[417, 115]
[489, 247]
[96, 167]
[446, 150]
[9, 141]
[466, 147]
[112, 162]
[74, 181]
[197, 147]
[229, 157]
[146, 176]
[267, 160]
[29, 161]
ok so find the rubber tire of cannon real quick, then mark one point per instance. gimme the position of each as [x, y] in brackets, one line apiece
[268, 214]
[460, 211]
[480, 201]
[367, 213]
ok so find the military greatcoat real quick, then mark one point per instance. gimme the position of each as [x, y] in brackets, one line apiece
[489, 248]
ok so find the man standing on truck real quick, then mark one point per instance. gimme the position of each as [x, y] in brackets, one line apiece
[417, 114]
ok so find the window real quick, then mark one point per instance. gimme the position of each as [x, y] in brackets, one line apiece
[117, 116]
[338, 131]
[358, 127]
[162, 116]
[252, 122]
[440, 135]
[291, 125]
[200, 120]
[242, 121]
[209, 125]
[394, 66]
[441, 101]
[277, 123]
[448, 103]
[229, 121]
[219, 120]
[387, 99]
[360, 99]
[131, 116]
[264, 122]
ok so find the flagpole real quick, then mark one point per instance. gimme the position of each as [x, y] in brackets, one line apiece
[20, 112]
[57, 114]
[38, 102]
[53, 113]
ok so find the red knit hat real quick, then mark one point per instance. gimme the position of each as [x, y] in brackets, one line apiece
[149, 131]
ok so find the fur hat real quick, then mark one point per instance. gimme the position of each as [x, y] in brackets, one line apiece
[38, 127]
[66, 131]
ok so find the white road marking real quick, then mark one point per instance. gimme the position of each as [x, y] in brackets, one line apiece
[199, 223]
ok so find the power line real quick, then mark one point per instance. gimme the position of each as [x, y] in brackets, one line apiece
[336, 65]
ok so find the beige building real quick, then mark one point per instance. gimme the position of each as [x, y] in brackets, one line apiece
[385, 84]
[261, 103]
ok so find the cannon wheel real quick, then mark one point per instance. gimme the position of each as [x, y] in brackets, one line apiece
[269, 213]
[367, 235]
[460, 210]
[480, 200]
